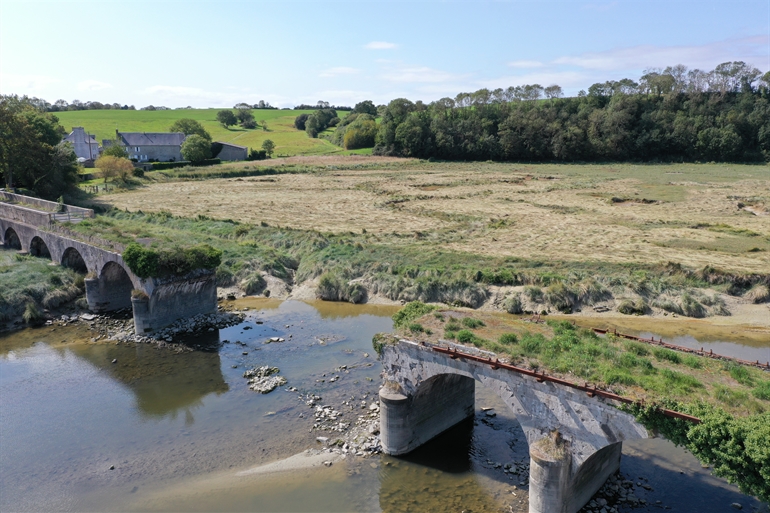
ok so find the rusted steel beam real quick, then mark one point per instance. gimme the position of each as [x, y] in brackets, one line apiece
[590, 390]
[710, 353]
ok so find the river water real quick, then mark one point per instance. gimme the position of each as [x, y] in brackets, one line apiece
[164, 431]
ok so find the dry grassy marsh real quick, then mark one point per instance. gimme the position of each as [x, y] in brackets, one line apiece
[692, 214]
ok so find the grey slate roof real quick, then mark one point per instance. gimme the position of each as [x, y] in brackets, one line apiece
[232, 145]
[152, 138]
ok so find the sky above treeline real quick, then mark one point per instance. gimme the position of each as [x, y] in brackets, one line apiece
[206, 53]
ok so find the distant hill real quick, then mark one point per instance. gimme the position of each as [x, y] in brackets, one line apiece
[289, 141]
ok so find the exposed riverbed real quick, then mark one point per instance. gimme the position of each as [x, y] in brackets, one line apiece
[161, 430]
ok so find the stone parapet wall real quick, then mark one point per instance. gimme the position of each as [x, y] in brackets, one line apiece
[48, 206]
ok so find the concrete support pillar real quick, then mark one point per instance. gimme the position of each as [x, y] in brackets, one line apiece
[141, 309]
[549, 476]
[94, 295]
[555, 486]
[407, 422]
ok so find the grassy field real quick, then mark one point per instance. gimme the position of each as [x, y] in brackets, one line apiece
[289, 141]
[693, 215]
[501, 236]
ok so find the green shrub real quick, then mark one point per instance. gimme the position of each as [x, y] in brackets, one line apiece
[151, 263]
[355, 293]
[330, 288]
[678, 379]
[512, 304]
[534, 293]
[465, 337]
[691, 307]
[410, 312]
[450, 334]
[740, 374]
[667, 354]
[560, 297]
[762, 391]
[532, 344]
[254, 284]
[637, 348]
[32, 315]
[636, 307]
[508, 339]
[470, 322]
[692, 361]
[416, 327]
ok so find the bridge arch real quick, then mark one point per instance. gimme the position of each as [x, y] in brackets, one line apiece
[72, 259]
[38, 248]
[574, 439]
[116, 284]
[11, 239]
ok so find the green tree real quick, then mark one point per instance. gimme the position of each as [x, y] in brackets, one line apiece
[226, 118]
[31, 152]
[269, 147]
[189, 127]
[115, 150]
[365, 107]
[114, 167]
[195, 148]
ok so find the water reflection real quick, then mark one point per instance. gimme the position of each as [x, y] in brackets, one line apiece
[163, 383]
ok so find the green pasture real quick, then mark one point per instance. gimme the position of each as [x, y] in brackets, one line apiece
[288, 140]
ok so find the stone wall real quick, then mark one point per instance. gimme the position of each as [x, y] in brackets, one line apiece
[172, 299]
[49, 206]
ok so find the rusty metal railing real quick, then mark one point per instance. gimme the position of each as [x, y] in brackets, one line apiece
[700, 352]
[540, 377]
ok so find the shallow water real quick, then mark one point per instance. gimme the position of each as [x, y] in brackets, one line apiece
[178, 427]
[750, 343]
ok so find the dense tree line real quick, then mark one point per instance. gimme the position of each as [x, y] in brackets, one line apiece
[321, 105]
[32, 154]
[672, 115]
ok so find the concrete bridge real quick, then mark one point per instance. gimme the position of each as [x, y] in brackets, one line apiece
[34, 226]
[575, 436]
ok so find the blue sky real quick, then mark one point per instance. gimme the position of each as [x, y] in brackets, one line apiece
[215, 54]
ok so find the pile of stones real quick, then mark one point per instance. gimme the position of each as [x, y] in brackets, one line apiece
[264, 379]
[617, 492]
[359, 438]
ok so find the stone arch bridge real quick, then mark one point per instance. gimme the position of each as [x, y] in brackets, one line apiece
[31, 225]
[575, 433]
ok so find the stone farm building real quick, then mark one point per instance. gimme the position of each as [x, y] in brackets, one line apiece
[230, 151]
[150, 146]
[85, 145]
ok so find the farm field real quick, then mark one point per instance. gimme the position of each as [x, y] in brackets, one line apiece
[289, 141]
[621, 214]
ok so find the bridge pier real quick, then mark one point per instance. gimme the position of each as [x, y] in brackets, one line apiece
[575, 439]
[409, 422]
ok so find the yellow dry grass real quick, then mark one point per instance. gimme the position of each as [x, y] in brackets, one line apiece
[544, 212]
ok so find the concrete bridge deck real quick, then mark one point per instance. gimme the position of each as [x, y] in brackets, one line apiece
[29, 225]
[575, 434]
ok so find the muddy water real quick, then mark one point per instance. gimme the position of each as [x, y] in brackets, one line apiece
[177, 428]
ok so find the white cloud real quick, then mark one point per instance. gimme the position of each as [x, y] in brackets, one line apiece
[380, 45]
[179, 96]
[337, 71]
[705, 56]
[420, 74]
[93, 85]
[25, 84]
[526, 64]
